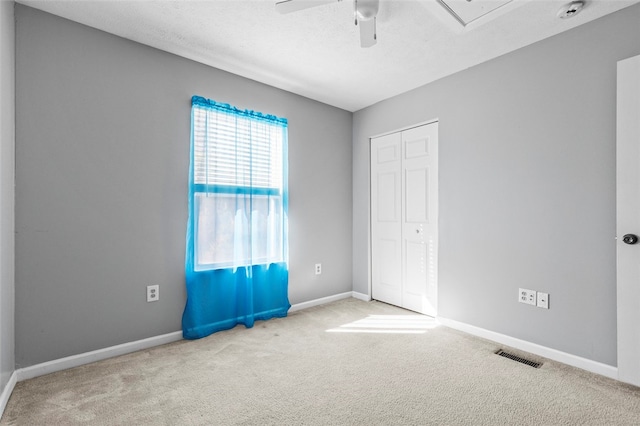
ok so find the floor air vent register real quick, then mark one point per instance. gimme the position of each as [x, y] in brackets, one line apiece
[518, 359]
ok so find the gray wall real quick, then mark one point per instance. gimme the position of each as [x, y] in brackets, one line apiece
[102, 149]
[7, 194]
[527, 186]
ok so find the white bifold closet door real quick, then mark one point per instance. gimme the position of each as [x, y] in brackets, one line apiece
[404, 218]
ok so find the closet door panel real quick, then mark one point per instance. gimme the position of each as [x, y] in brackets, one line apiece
[386, 219]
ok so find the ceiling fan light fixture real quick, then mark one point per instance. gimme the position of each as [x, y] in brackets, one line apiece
[366, 9]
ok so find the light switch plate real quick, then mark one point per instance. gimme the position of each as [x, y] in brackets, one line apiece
[543, 300]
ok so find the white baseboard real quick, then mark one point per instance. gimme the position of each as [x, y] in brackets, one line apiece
[125, 348]
[7, 391]
[361, 296]
[93, 356]
[321, 301]
[523, 345]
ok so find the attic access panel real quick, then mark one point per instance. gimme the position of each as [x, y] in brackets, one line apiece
[467, 11]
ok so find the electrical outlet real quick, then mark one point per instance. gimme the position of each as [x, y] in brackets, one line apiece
[543, 300]
[527, 296]
[318, 268]
[153, 293]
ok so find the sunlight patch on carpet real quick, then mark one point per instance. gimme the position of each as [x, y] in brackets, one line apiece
[392, 324]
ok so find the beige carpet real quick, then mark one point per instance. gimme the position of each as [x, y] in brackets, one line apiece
[345, 363]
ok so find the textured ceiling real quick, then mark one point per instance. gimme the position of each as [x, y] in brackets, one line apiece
[316, 52]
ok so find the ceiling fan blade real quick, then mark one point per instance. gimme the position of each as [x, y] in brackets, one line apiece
[288, 6]
[368, 36]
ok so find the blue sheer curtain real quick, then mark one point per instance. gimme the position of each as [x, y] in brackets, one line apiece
[236, 259]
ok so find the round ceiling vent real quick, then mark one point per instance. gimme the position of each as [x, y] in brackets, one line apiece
[570, 10]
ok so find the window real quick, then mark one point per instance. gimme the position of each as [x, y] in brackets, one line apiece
[238, 186]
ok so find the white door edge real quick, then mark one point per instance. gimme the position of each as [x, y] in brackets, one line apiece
[628, 219]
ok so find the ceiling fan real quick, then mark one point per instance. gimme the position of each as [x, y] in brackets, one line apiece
[365, 12]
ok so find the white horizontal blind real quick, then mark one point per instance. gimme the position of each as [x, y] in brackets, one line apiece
[239, 184]
[236, 151]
